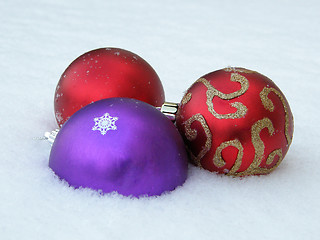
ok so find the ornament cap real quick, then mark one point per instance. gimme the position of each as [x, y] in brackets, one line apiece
[51, 136]
[170, 110]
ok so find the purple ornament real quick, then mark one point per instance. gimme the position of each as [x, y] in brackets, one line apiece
[120, 144]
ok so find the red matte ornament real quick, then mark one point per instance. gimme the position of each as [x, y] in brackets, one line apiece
[105, 73]
[235, 121]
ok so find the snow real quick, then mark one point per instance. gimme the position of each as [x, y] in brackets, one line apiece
[182, 40]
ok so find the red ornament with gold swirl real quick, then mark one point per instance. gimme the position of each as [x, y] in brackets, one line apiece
[235, 121]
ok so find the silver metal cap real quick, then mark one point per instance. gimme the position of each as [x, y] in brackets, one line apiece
[170, 110]
[51, 136]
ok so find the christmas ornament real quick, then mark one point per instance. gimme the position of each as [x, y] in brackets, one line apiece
[105, 73]
[120, 144]
[235, 121]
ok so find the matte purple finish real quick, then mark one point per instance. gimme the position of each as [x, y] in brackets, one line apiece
[145, 155]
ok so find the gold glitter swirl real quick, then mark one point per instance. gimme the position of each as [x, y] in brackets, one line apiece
[191, 134]
[270, 159]
[186, 98]
[267, 103]
[218, 160]
[237, 69]
[212, 92]
[259, 150]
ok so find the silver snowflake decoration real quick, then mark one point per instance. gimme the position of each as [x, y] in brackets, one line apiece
[105, 123]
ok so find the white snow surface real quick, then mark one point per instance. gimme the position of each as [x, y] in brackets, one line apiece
[182, 40]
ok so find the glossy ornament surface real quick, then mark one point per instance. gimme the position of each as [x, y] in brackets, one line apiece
[235, 121]
[123, 145]
[105, 73]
